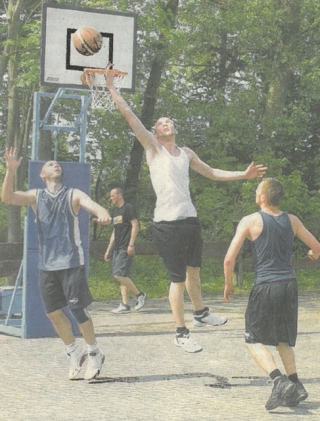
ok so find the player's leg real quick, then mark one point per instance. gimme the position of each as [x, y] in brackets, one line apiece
[54, 301]
[202, 314]
[78, 296]
[261, 322]
[172, 246]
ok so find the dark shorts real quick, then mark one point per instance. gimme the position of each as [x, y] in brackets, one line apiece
[179, 244]
[272, 313]
[62, 288]
[121, 263]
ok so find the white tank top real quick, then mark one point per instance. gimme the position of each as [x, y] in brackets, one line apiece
[170, 180]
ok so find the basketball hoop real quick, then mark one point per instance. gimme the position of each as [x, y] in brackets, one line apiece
[96, 80]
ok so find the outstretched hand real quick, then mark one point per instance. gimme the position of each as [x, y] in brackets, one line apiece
[105, 220]
[12, 163]
[109, 76]
[255, 171]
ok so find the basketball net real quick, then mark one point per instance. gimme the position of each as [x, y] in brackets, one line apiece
[96, 80]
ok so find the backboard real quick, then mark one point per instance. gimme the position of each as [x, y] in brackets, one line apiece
[62, 65]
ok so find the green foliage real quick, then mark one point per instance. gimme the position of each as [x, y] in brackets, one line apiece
[240, 81]
[150, 276]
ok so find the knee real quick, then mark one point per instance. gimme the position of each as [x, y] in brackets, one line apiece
[80, 314]
[56, 316]
[193, 274]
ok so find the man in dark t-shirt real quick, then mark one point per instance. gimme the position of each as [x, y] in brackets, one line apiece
[122, 240]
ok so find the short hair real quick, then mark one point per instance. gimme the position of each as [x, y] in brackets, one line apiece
[274, 190]
[119, 190]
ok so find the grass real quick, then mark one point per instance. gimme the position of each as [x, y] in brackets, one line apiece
[150, 276]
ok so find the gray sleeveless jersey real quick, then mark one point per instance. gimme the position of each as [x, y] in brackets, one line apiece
[272, 250]
[58, 228]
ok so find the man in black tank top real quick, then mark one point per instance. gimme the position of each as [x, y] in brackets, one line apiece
[272, 311]
[62, 277]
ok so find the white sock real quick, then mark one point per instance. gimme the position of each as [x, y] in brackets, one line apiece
[93, 347]
[71, 347]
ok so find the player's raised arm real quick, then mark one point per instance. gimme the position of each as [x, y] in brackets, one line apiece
[82, 200]
[252, 171]
[9, 196]
[145, 137]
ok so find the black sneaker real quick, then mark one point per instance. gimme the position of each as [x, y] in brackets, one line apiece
[282, 389]
[298, 395]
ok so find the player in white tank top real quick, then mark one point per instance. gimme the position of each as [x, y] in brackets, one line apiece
[170, 178]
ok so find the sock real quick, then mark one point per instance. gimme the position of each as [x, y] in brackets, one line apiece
[294, 378]
[275, 373]
[201, 313]
[182, 331]
[92, 348]
[71, 347]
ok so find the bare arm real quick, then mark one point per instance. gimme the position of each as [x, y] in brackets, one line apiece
[306, 237]
[145, 137]
[9, 196]
[109, 248]
[134, 233]
[243, 232]
[253, 171]
[82, 200]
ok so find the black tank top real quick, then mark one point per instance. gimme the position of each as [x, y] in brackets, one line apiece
[272, 250]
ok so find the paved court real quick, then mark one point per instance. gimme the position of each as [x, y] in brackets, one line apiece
[145, 377]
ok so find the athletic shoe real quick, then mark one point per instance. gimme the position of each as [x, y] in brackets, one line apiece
[122, 309]
[207, 318]
[76, 360]
[283, 388]
[95, 361]
[187, 344]
[140, 300]
[298, 395]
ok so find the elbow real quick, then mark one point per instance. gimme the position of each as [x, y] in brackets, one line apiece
[228, 263]
[6, 200]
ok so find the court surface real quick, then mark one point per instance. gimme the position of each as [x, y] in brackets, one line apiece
[145, 377]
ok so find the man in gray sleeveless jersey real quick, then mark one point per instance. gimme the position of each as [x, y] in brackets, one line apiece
[176, 229]
[272, 312]
[62, 277]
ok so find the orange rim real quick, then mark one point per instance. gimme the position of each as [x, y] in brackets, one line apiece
[114, 72]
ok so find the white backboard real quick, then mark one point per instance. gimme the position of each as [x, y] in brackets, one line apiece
[62, 65]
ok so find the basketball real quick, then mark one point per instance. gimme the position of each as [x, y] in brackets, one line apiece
[87, 41]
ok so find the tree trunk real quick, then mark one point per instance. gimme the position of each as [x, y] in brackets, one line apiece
[14, 25]
[149, 102]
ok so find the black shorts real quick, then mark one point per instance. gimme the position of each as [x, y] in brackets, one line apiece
[62, 288]
[179, 244]
[121, 263]
[272, 313]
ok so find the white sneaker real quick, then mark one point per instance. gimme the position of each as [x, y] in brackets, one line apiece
[122, 309]
[140, 301]
[76, 360]
[187, 344]
[208, 318]
[95, 361]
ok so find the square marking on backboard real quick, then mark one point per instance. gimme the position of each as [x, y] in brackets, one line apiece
[62, 65]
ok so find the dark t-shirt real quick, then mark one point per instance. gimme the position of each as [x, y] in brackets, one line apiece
[122, 218]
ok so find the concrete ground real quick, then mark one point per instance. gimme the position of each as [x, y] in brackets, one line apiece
[145, 377]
